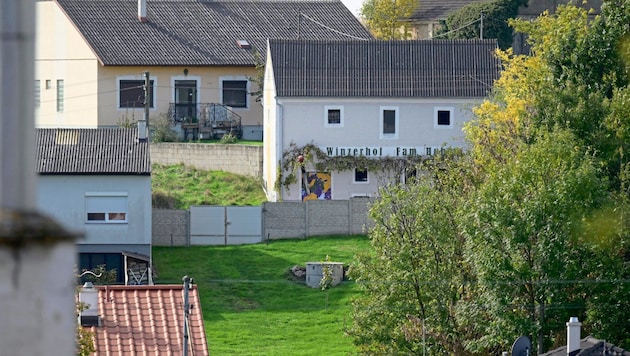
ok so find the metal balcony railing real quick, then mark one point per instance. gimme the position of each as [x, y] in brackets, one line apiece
[212, 120]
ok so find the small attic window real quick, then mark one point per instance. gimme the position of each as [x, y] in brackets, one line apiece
[243, 44]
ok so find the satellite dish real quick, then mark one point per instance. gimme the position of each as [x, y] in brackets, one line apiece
[522, 346]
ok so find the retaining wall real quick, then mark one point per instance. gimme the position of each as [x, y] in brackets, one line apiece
[238, 159]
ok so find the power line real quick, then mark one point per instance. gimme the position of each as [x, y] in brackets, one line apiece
[457, 29]
[333, 30]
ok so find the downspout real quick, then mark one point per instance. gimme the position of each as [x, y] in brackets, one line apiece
[280, 143]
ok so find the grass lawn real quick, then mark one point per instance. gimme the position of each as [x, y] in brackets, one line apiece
[179, 187]
[250, 305]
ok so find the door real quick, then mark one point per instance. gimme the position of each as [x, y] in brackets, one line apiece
[186, 100]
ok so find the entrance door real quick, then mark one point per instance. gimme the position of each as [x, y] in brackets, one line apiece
[186, 100]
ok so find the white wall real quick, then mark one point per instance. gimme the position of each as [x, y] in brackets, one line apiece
[63, 198]
[304, 122]
[272, 132]
[61, 53]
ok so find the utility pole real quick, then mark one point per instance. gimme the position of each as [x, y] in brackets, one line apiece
[299, 27]
[187, 281]
[481, 27]
[147, 103]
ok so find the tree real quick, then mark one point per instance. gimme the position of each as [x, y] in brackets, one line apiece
[522, 241]
[416, 275]
[386, 19]
[584, 59]
[466, 22]
[541, 211]
[575, 82]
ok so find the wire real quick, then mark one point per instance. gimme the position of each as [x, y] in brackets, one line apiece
[457, 29]
[333, 30]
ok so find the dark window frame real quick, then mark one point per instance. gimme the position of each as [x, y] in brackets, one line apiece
[234, 93]
[389, 122]
[443, 118]
[130, 91]
[361, 175]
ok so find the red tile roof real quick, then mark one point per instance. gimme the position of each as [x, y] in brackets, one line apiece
[147, 320]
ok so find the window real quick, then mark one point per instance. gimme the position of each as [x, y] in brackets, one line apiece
[90, 261]
[235, 93]
[131, 93]
[443, 117]
[360, 175]
[410, 175]
[59, 95]
[389, 122]
[334, 116]
[48, 84]
[106, 208]
[38, 93]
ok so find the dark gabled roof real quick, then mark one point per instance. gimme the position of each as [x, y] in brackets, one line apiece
[203, 32]
[408, 69]
[590, 346]
[435, 10]
[105, 151]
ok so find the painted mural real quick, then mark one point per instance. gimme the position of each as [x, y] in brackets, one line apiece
[316, 186]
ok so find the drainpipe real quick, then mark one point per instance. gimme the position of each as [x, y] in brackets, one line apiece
[279, 143]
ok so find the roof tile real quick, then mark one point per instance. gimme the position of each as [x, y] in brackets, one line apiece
[429, 68]
[203, 32]
[134, 329]
[433, 10]
[92, 151]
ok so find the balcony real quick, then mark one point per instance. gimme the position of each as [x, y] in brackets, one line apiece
[210, 121]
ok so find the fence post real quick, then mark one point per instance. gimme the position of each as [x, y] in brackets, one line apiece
[350, 208]
[306, 220]
[188, 227]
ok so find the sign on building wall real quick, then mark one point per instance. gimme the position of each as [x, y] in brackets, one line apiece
[316, 185]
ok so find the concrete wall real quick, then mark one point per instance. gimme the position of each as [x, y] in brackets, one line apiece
[279, 221]
[170, 227]
[238, 159]
[316, 218]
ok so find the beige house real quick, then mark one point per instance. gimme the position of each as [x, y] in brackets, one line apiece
[201, 56]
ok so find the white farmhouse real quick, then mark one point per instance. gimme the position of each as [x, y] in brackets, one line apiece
[98, 182]
[369, 99]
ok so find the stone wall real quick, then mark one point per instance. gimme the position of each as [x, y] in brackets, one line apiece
[238, 159]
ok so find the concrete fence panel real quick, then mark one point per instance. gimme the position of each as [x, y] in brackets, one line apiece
[170, 227]
[284, 220]
[327, 217]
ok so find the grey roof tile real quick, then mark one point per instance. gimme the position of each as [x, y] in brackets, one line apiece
[92, 151]
[202, 32]
[590, 346]
[432, 10]
[431, 68]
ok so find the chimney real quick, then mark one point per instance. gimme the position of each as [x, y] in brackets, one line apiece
[88, 297]
[573, 335]
[142, 10]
